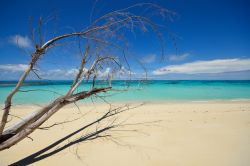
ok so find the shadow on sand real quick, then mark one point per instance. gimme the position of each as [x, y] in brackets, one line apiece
[40, 154]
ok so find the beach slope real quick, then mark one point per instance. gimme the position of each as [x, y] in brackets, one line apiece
[170, 133]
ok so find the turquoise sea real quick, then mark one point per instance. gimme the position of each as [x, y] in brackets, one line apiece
[155, 90]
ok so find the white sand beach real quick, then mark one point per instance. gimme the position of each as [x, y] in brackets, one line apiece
[171, 133]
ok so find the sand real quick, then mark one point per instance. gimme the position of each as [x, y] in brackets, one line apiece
[170, 133]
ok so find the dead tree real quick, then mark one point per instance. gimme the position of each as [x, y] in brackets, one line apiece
[104, 32]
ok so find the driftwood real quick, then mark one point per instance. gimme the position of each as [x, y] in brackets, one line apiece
[102, 33]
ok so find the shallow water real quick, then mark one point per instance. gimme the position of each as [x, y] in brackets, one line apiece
[156, 90]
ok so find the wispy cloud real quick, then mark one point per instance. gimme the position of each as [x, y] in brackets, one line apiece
[71, 73]
[148, 59]
[178, 57]
[60, 73]
[115, 74]
[13, 71]
[213, 66]
[20, 41]
[13, 67]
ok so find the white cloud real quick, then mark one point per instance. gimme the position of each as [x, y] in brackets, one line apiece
[20, 41]
[104, 73]
[213, 66]
[13, 67]
[60, 73]
[178, 57]
[125, 72]
[71, 72]
[148, 59]
[121, 73]
[13, 71]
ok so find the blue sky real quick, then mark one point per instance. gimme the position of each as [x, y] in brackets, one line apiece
[212, 38]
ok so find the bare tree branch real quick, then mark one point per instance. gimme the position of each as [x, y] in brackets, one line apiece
[101, 37]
